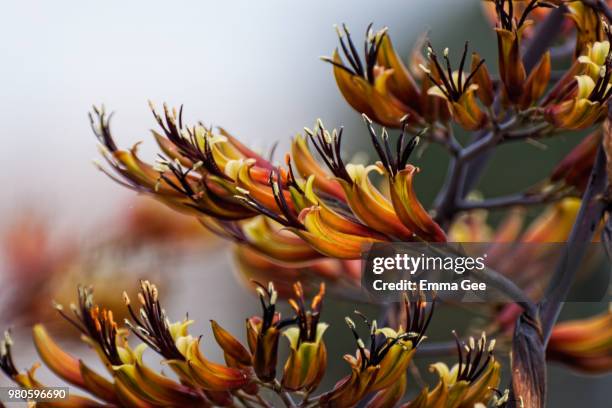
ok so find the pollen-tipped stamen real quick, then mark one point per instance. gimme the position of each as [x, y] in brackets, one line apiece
[307, 320]
[402, 152]
[419, 313]
[328, 146]
[474, 357]
[95, 323]
[356, 66]
[453, 90]
[151, 323]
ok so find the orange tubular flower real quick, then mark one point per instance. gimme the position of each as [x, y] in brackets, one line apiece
[367, 86]
[292, 219]
[582, 102]
[181, 350]
[385, 362]
[202, 189]
[588, 24]
[381, 86]
[263, 334]
[381, 217]
[28, 379]
[472, 381]
[377, 379]
[586, 104]
[459, 89]
[584, 344]
[400, 174]
[132, 382]
[519, 89]
[307, 362]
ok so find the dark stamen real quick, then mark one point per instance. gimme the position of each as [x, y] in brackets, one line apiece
[447, 85]
[95, 323]
[356, 66]
[393, 164]
[328, 146]
[478, 356]
[151, 325]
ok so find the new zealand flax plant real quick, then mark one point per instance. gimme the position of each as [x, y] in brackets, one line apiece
[309, 219]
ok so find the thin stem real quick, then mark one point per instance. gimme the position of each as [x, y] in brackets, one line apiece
[462, 175]
[284, 395]
[507, 287]
[278, 389]
[508, 201]
[446, 203]
[591, 213]
[536, 131]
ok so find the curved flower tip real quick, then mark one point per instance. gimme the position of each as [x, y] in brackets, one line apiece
[307, 362]
[584, 109]
[589, 27]
[405, 207]
[138, 383]
[583, 344]
[582, 102]
[381, 366]
[61, 363]
[410, 210]
[472, 380]
[512, 22]
[328, 240]
[459, 89]
[212, 376]
[269, 239]
[263, 334]
[378, 84]
[236, 355]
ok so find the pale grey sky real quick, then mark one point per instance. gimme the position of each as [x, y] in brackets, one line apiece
[251, 66]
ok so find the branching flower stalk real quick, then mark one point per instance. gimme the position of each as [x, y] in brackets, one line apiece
[378, 371]
[312, 217]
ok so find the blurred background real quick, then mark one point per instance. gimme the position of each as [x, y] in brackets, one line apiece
[249, 66]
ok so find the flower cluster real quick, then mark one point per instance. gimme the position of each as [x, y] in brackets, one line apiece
[313, 216]
[381, 86]
[299, 213]
[249, 377]
[317, 215]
